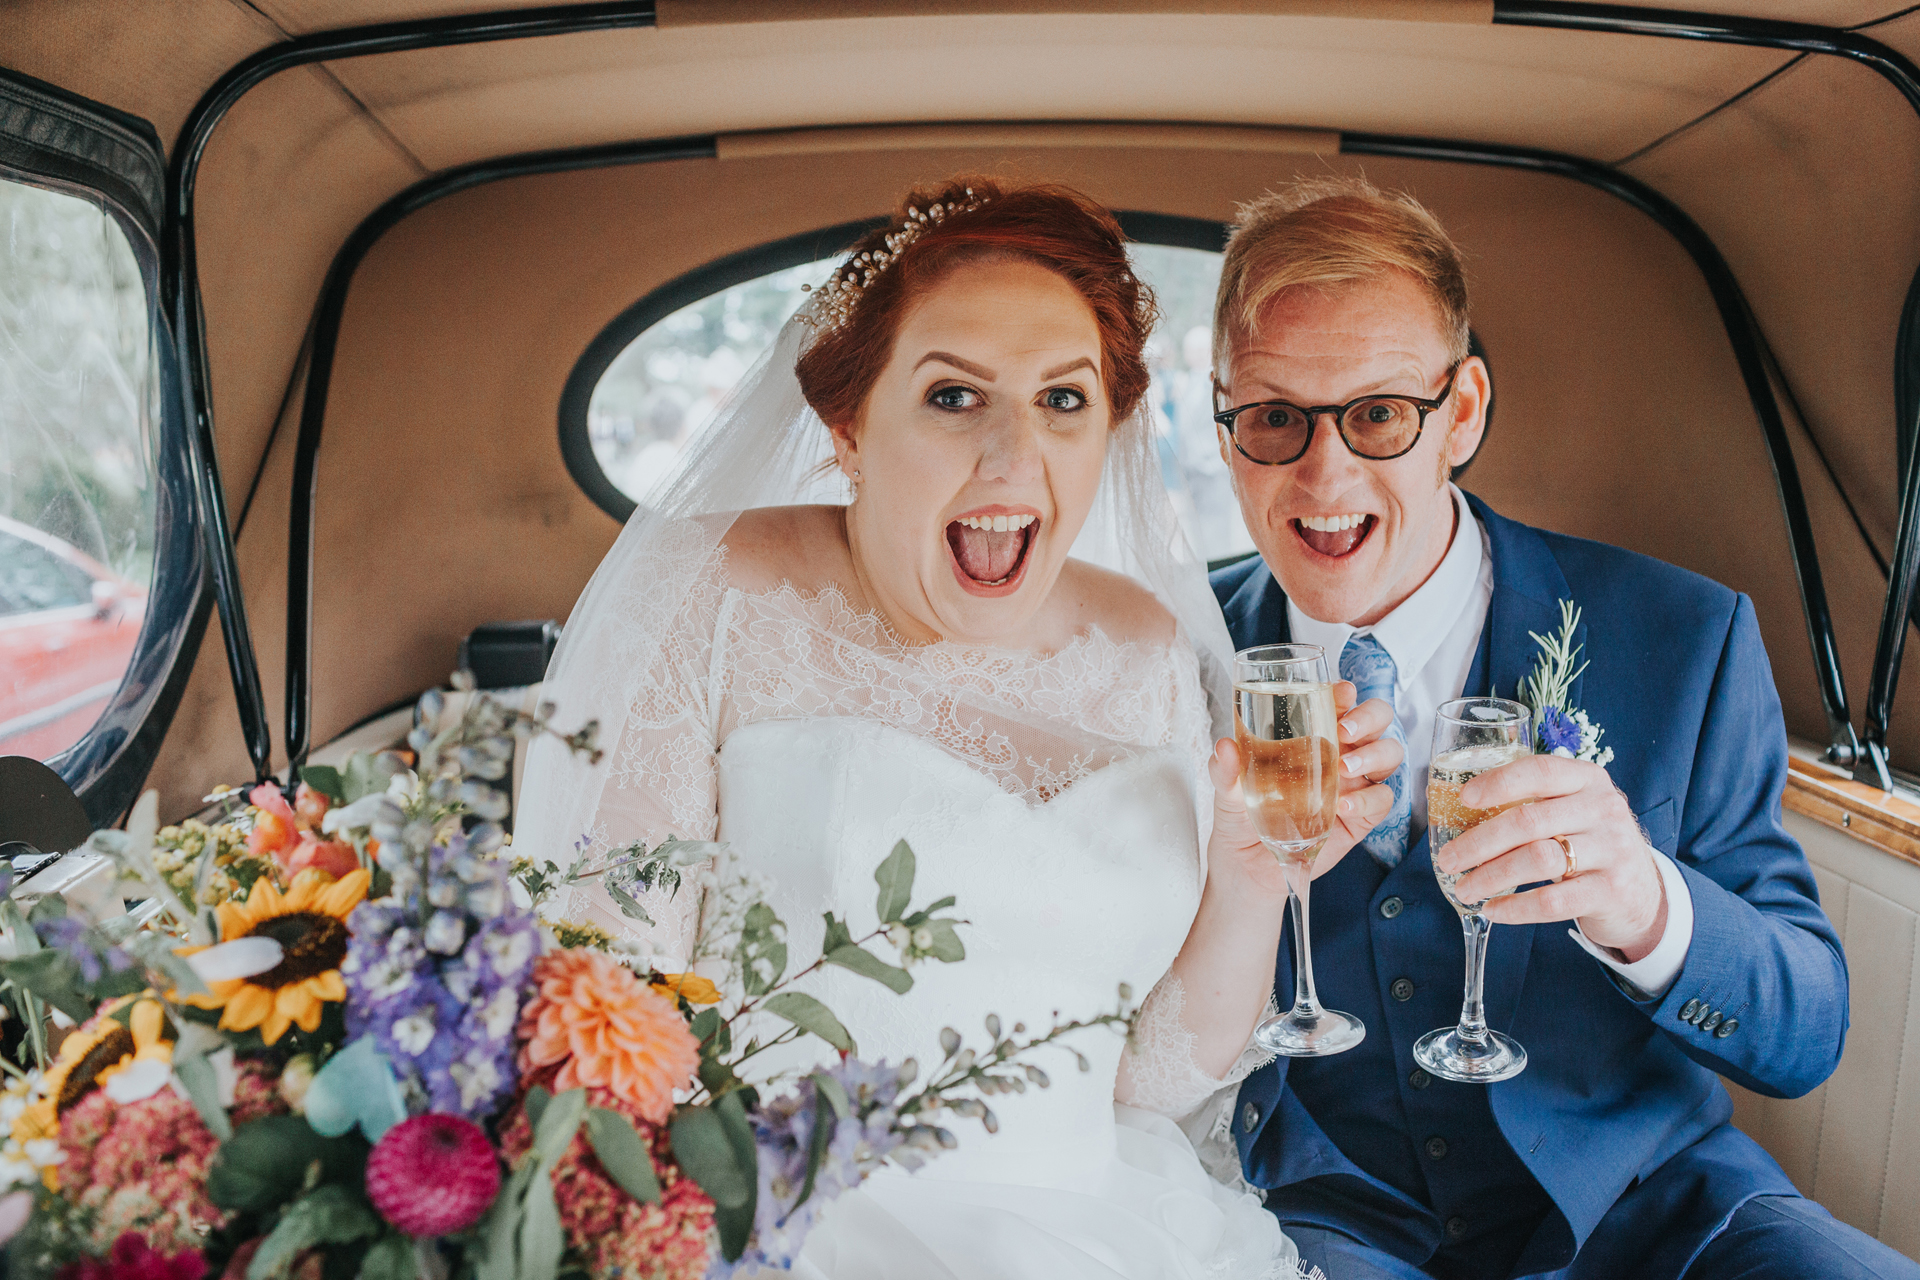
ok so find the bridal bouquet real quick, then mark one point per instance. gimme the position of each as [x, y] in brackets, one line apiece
[337, 1038]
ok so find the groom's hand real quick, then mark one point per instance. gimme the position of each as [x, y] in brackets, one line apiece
[1365, 757]
[1615, 895]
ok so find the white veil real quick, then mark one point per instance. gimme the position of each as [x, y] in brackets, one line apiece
[763, 449]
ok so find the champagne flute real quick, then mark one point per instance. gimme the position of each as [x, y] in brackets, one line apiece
[1470, 737]
[1289, 736]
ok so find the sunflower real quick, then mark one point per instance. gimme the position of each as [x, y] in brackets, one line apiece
[96, 1051]
[309, 922]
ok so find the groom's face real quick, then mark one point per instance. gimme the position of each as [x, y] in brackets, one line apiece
[1348, 537]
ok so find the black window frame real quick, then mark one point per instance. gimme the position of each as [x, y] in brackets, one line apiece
[60, 142]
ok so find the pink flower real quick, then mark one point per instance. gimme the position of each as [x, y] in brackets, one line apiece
[139, 1168]
[274, 827]
[132, 1259]
[433, 1175]
[616, 1234]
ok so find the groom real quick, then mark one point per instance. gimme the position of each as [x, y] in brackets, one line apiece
[1672, 932]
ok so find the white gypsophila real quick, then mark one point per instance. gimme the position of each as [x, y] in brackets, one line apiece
[727, 891]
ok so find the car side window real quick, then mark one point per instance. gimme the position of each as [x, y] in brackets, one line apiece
[78, 417]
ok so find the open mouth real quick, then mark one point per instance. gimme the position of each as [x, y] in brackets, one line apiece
[990, 552]
[1334, 536]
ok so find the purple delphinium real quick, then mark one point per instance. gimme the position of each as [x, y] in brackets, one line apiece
[1558, 732]
[783, 1133]
[435, 974]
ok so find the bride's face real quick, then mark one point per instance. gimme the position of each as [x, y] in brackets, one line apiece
[979, 451]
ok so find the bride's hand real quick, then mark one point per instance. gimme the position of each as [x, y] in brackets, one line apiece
[1364, 756]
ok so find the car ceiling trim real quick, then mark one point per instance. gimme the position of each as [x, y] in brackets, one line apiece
[1117, 134]
[699, 13]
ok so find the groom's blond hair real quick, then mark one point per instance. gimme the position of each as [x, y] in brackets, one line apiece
[1327, 232]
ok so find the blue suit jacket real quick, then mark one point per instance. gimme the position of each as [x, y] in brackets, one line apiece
[1619, 1115]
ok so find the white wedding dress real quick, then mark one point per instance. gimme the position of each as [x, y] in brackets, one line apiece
[1055, 796]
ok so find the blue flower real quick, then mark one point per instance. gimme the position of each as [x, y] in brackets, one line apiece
[783, 1133]
[1558, 732]
[435, 975]
[65, 933]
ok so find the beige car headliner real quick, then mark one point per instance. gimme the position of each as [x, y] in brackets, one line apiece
[443, 498]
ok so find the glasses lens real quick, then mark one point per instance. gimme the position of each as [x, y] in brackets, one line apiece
[1382, 427]
[1271, 432]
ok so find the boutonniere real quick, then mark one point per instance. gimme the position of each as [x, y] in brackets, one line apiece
[1560, 728]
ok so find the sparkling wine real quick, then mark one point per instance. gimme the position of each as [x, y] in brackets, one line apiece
[1287, 734]
[1447, 817]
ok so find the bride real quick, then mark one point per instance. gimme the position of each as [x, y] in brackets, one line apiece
[923, 661]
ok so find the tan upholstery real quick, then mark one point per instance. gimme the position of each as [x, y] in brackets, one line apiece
[1854, 1143]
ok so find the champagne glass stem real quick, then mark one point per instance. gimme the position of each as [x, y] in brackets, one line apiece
[1306, 1003]
[1473, 1011]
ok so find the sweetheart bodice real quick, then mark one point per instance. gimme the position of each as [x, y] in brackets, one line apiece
[1065, 900]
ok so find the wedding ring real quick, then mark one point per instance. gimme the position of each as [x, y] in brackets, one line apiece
[1573, 864]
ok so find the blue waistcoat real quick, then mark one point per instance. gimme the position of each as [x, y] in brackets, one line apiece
[1615, 1143]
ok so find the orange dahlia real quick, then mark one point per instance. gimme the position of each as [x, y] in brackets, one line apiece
[606, 1029]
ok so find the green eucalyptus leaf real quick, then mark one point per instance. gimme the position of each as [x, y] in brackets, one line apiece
[762, 954]
[838, 935]
[325, 779]
[264, 1164]
[53, 977]
[628, 904]
[735, 1225]
[817, 1143]
[947, 946]
[705, 1023]
[808, 1014]
[833, 1092]
[329, 1214]
[391, 1258]
[895, 878]
[703, 1149]
[542, 1242]
[364, 775]
[559, 1121]
[500, 1228]
[623, 1153]
[536, 1104]
[49, 908]
[868, 965]
[203, 1089]
[941, 905]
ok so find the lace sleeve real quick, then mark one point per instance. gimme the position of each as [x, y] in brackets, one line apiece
[1158, 1073]
[662, 779]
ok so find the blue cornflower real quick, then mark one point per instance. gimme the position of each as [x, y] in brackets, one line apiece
[65, 933]
[1558, 732]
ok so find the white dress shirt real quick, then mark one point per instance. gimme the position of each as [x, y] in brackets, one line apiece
[1432, 638]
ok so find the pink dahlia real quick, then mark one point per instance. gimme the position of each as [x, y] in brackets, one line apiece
[615, 1234]
[433, 1175]
[132, 1259]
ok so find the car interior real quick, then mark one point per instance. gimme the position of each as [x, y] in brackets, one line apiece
[415, 300]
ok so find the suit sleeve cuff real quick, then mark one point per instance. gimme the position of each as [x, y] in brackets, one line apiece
[1651, 976]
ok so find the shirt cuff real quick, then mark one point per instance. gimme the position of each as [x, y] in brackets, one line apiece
[1652, 975]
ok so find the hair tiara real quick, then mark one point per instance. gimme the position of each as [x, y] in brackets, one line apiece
[833, 302]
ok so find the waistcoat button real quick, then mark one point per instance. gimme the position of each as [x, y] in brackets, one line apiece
[1726, 1028]
[1391, 907]
[1402, 989]
[1436, 1148]
[1419, 1079]
[1249, 1117]
[1456, 1228]
[1688, 1009]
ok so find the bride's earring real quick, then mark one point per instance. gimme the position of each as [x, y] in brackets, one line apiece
[853, 478]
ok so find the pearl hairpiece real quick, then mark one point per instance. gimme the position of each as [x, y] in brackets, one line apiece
[832, 304]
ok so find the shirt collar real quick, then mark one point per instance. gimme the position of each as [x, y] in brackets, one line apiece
[1412, 632]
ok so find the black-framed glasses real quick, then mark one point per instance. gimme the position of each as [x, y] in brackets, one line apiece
[1380, 427]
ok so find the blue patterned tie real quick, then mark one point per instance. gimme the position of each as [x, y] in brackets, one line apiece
[1370, 668]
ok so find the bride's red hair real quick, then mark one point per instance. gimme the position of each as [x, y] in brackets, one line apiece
[1053, 226]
